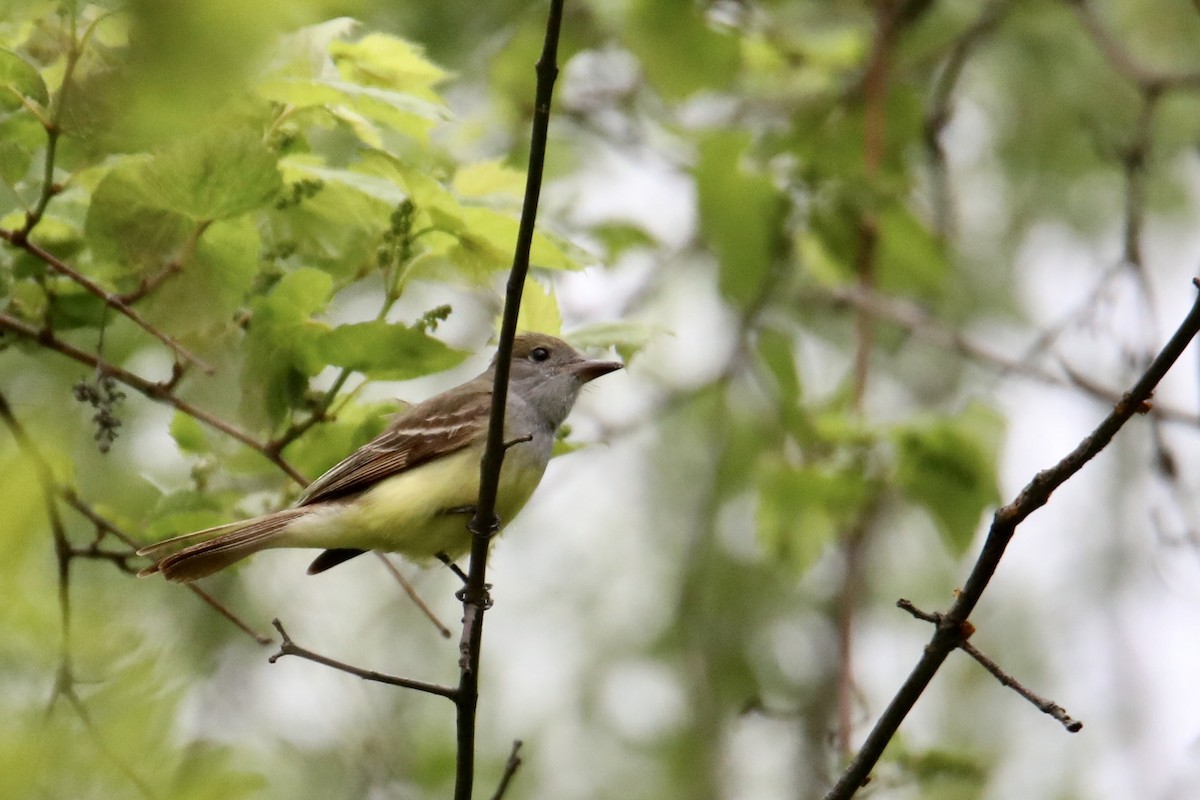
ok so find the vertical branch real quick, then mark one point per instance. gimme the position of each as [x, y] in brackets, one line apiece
[939, 112]
[484, 524]
[62, 547]
[875, 95]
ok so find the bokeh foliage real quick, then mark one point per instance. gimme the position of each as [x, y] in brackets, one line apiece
[288, 195]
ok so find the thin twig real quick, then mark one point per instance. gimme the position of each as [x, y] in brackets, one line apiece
[18, 239]
[161, 392]
[951, 631]
[407, 586]
[928, 328]
[1121, 60]
[938, 113]
[510, 769]
[64, 684]
[1045, 706]
[289, 648]
[149, 283]
[106, 527]
[224, 611]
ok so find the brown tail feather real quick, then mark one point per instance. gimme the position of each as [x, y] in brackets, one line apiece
[205, 558]
[175, 541]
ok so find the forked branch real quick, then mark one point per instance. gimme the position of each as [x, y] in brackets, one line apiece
[948, 633]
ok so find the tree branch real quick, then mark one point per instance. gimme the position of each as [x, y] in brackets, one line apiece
[162, 392]
[1045, 706]
[951, 631]
[510, 769]
[289, 648]
[484, 523]
[1146, 79]
[19, 239]
[412, 594]
[928, 328]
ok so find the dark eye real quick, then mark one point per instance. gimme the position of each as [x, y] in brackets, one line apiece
[539, 354]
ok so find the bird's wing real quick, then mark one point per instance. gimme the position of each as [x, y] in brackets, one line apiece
[439, 426]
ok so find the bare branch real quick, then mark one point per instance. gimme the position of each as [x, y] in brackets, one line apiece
[1045, 706]
[510, 769]
[407, 586]
[1121, 60]
[19, 239]
[484, 523]
[162, 392]
[289, 648]
[224, 611]
[949, 632]
[928, 328]
[938, 113]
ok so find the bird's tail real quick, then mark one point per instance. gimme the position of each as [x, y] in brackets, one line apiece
[224, 545]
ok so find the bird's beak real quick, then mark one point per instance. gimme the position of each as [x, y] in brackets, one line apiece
[590, 370]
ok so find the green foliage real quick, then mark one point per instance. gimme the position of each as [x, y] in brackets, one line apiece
[802, 510]
[301, 211]
[948, 466]
[665, 35]
[20, 82]
[386, 351]
[741, 213]
[219, 174]
[626, 336]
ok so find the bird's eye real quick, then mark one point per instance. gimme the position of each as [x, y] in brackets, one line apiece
[539, 354]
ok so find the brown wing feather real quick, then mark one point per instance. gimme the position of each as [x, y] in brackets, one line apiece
[441, 425]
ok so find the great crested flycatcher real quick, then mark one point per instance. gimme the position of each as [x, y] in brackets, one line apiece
[409, 490]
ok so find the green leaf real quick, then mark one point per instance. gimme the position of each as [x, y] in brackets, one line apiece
[911, 259]
[539, 309]
[487, 178]
[297, 296]
[124, 227]
[219, 174]
[338, 228]
[77, 309]
[282, 345]
[399, 111]
[210, 772]
[948, 466]
[667, 35]
[377, 188]
[628, 337]
[775, 348]
[386, 351]
[184, 510]
[621, 237]
[211, 286]
[188, 433]
[497, 232]
[378, 59]
[801, 510]
[19, 81]
[741, 216]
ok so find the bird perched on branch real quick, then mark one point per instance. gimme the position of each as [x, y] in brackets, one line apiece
[412, 489]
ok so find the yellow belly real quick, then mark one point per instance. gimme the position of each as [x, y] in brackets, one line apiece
[411, 513]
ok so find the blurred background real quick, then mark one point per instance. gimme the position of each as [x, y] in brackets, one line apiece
[871, 267]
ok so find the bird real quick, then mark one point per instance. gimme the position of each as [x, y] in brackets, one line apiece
[412, 489]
